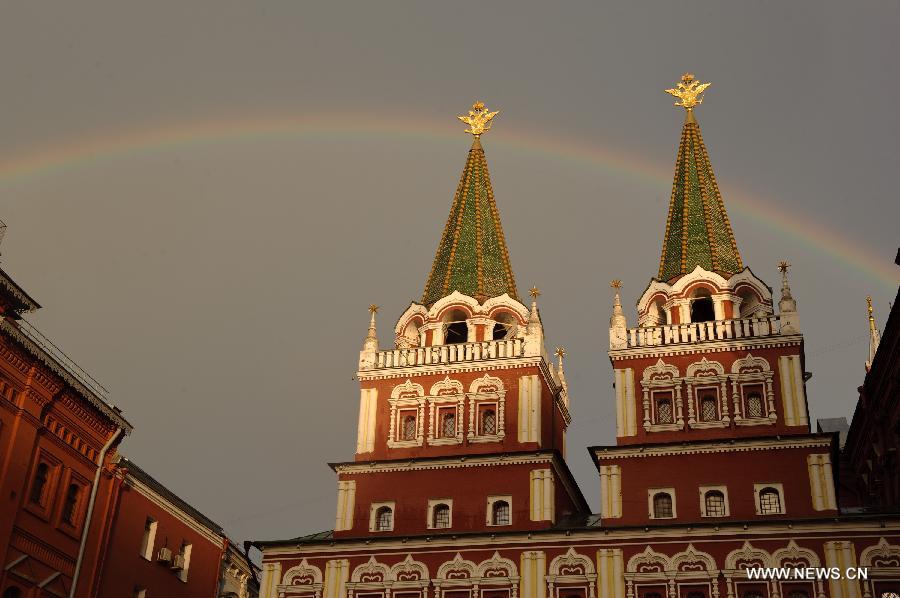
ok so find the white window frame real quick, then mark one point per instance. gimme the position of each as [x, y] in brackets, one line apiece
[373, 510]
[746, 420]
[489, 518]
[186, 553]
[651, 492]
[432, 503]
[435, 404]
[724, 491]
[757, 488]
[149, 538]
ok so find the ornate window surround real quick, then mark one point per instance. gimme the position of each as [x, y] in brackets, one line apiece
[690, 567]
[794, 555]
[463, 574]
[434, 502]
[370, 576]
[572, 570]
[486, 389]
[738, 561]
[704, 374]
[407, 395]
[662, 376]
[489, 514]
[752, 370]
[301, 579]
[882, 561]
[445, 393]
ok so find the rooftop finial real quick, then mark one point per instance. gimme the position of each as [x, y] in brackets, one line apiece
[787, 306]
[874, 335]
[370, 345]
[534, 292]
[478, 119]
[689, 92]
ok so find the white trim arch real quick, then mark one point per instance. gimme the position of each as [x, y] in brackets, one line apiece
[409, 574]
[301, 579]
[792, 554]
[572, 568]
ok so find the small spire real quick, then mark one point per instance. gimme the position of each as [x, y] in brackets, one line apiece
[534, 317]
[787, 306]
[372, 336]
[561, 373]
[874, 335]
[618, 317]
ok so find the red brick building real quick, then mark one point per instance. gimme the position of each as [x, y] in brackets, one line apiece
[459, 488]
[72, 513]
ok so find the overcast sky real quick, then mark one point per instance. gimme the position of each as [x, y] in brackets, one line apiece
[206, 196]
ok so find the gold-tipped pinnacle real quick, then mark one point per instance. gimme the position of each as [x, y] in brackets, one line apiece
[373, 309]
[783, 266]
[869, 303]
[560, 352]
[689, 92]
[534, 292]
[615, 284]
[478, 119]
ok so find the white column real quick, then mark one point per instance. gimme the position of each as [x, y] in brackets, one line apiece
[534, 569]
[610, 573]
[345, 504]
[337, 572]
[529, 423]
[610, 491]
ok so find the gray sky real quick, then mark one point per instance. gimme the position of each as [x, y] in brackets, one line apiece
[210, 257]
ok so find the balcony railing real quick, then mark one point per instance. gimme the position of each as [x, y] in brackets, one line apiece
[397, 358]
[698, 332]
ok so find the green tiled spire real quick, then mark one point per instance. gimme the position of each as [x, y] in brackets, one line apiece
[472, 257]
[698, 232]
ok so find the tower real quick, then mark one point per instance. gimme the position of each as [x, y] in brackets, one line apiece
[462, 422]
[709, 371]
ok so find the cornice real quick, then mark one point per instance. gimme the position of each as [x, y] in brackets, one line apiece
[444, 463]
[449, 368]
[697, 448]
[697, 348]
[598, 537]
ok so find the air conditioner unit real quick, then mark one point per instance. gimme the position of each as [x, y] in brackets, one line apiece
[178, 562]
[165, 555]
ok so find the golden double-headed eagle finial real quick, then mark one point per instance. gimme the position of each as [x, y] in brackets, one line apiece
[478, 119]
[689, 92]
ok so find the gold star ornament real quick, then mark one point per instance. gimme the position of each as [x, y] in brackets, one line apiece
[615, 284]
[478, 119]
[534, 292]
[560, 352]
[373, 309]
[688, 91]
[783, 266]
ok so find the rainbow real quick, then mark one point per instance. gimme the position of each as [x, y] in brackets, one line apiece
[93, 151]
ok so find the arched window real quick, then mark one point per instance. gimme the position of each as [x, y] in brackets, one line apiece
[448, 424]
[457, 331]
[754, 405]
[709, 409]
[488, 422]
[441, 516]
[39, 484]
[409, 427]
[664, 413]
[504, 327]
[12, 592]
[702, 310]
[500, 513]
[70, 506]
[769, 501]
[714, 504]
[384, 519]
[662, 505]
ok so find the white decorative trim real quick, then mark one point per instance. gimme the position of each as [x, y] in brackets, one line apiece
[738, 560]
[734, 446]
[792, 554]
[757, 488]
[489, 569]
[445, 463]
[723, 490]
[569, 569]
[648, 561]
[373, 514]
[301, 579]
[651, 493]
[682, 562]
[445, 393]
[487, 389]
[368, 573]
[489, 514]
[882, 557]
[457, 569]
[401, 399]
[409, 573]
[434, 502]
[701, 375]
[662, 377]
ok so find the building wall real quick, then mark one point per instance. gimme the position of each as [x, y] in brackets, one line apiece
[125, 568]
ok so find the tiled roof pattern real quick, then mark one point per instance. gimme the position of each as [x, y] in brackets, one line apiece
[472, 257]
[698, 232]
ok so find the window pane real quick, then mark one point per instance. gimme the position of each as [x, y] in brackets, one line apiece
[384, 519]
[488, 422]
[715, 504]
[769, 501]
[662, 506]
[664, 411]
[441, 516]
[754, 406]
[709, 410]
[409, 427]
[500, 514]
[448, 425]
[40, 481]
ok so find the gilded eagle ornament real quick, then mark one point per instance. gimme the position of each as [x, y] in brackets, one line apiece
[478, 119]
[689, 92]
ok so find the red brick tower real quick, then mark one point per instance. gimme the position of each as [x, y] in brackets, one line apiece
[462, 423]
[712, 372]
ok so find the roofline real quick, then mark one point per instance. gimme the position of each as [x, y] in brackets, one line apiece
[27, 302]
[111, 412]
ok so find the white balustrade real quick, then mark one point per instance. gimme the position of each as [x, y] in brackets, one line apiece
[398, 358]
[698, 332]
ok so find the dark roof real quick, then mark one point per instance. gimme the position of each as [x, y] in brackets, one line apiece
[146, 478]
[16, 295]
